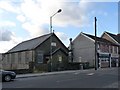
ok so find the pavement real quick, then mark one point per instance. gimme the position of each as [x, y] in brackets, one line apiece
[49, 73]
[59, 72]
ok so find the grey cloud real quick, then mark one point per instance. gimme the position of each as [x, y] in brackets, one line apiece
[5, 35]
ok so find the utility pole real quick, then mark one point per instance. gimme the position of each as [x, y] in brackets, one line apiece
[96, 62]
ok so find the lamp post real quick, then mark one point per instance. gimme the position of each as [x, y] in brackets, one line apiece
[96, 62]
[51, 36]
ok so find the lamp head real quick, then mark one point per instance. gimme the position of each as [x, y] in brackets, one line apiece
[59, 10]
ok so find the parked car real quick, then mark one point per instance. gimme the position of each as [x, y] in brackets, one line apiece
[7, 75]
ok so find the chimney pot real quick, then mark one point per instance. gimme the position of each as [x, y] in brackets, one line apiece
[70, 39]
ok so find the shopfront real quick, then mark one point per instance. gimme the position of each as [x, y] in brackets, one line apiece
[104, 60]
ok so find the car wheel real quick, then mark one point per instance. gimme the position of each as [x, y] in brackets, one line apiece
[7, 78]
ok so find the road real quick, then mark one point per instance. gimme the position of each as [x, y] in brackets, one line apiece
[102, 78]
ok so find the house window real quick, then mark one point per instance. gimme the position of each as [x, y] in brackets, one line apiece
[106, 48]
[60, 58]
[101, 47]
[98, 46]
[53, 44]
[115, 49]
[39, 57]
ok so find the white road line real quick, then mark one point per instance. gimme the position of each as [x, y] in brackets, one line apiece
[77, 73]
[66, 80]
[90, 74]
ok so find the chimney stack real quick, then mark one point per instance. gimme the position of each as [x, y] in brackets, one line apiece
[70, 44]
[71, 51]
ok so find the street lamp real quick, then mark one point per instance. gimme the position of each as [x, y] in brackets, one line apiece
[51, 19]
[51, 36]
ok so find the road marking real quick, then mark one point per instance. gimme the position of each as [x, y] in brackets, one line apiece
[66, 80]
[76, 72]
[90, 74]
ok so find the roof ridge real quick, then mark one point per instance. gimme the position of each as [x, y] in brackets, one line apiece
[90, 35]
[110, 33]
[94, 36]
[99, 38]
[115, 37]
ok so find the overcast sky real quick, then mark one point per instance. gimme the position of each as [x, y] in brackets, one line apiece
[21, 20]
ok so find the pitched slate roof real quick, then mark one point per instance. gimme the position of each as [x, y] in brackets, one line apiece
[115, 37]
[99, 39]
[30, 44]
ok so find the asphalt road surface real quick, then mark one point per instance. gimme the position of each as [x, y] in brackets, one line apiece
[102, 78]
